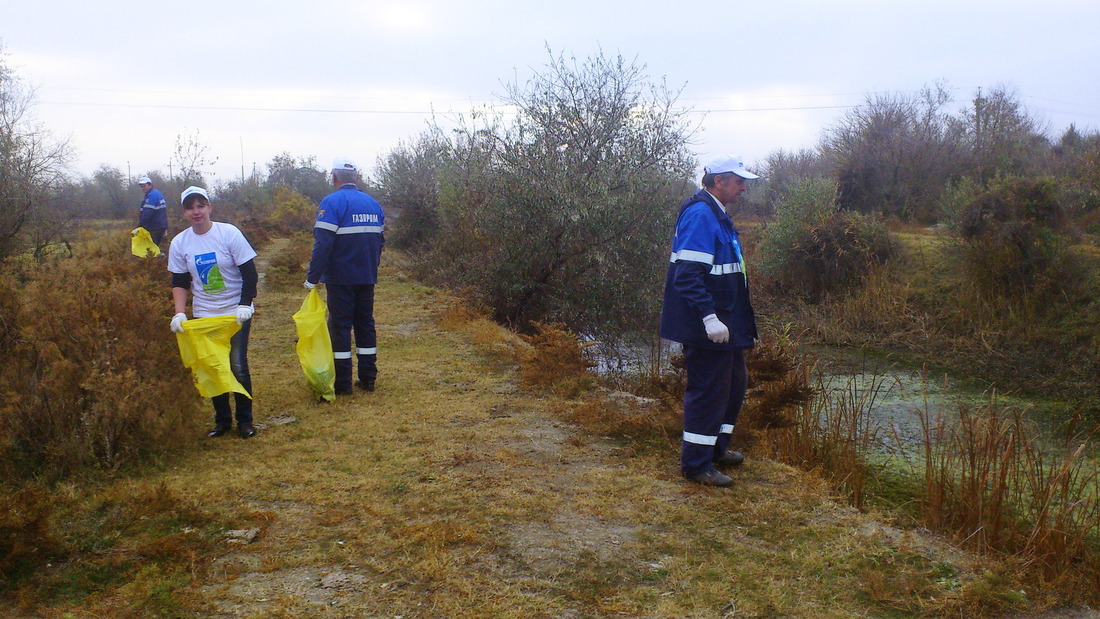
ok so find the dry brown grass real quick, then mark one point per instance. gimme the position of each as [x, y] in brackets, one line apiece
[90, 374]
[450, 491]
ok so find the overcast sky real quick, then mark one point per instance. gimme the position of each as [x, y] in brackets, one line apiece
[123, 79]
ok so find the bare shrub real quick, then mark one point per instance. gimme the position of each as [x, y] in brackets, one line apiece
[26, 537]
[92, 377]
[556, 361]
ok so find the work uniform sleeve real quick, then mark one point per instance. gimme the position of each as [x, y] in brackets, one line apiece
[145, 217]
[324, 236]
[693, 255]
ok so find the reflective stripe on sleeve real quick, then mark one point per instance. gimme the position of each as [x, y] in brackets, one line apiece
[341, 355]
[726, 429]
[366, 351]
[324, 225]
[689, 255]
[699, 439]
[725, 269]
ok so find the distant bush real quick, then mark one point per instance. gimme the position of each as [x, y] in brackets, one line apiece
[91, 378]
[287, 212]
[410, 190]
[1012, 237]
[813, 249]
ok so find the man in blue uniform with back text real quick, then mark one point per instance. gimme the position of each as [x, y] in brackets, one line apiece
[154, 211]
[707, 309]
[347, 246]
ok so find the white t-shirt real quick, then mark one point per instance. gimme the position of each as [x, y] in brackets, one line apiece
[212, 259]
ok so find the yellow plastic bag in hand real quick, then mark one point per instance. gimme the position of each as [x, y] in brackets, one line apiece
[314, 346]
[142, 245]
[204, 348]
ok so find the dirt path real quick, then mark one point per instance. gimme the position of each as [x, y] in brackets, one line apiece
[451, 492]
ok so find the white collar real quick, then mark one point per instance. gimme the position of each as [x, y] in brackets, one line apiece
[718, 202]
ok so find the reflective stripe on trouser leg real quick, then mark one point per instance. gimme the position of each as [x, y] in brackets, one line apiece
[366, 342]
[341, 305]
[739, 382]
[705, 404]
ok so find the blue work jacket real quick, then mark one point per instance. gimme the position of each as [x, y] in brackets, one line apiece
[154, 211]
[347, 238]
[706, 275]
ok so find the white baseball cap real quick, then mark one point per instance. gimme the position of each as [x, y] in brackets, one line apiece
[145, 180]
[343, 163]
[192, 190]
[728, 163]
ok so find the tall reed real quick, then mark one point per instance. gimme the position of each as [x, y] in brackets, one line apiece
[835, 435]
[994, 481]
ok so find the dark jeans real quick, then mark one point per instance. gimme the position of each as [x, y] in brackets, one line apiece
[351, 308]
[157, 235]
[238, 362]
[716, 384]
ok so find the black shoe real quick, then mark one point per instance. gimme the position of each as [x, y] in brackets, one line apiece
[245, 430]
[711, 477]
[344, 392]
[730, 458]
[218, 431]
[365, 385]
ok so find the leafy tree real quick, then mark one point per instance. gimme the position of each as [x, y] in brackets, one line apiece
[301, 175]
[1077, 161]
[116, 194]
[408, 177]
[31, 162]
[782, 172]
[564, 212]
[247, 196]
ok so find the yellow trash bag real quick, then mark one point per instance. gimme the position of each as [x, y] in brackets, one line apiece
[142, 245]
[204, 348]
[314, 346]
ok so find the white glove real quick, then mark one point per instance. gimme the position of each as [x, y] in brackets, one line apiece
[177, 322]
[244, 312]
[309, 285]
[717, 332]
[135, 231]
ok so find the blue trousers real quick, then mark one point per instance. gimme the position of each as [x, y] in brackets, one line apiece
[238, 362]
[716, 384]
[351, 308]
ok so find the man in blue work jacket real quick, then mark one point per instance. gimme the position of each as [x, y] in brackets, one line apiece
[154, 211]
[707, 309]
[347, 246]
